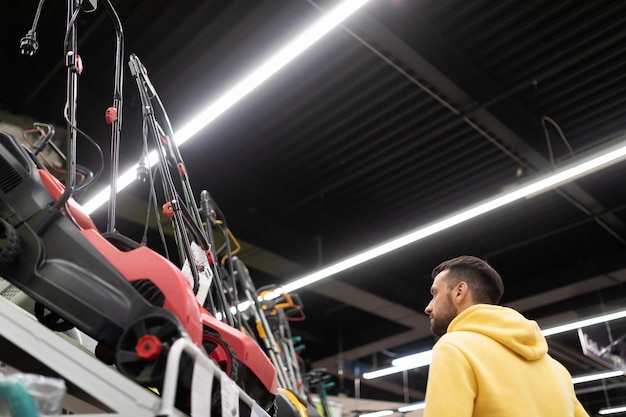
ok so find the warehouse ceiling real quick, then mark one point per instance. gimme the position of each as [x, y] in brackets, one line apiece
[410, 111]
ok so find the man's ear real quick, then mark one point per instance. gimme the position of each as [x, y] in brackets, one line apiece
[461, 292]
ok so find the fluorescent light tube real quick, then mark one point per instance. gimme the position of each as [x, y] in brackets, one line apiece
[425, 356]
[412, 407]
[403, 409]
[377, 413]
[613, 410]
[393, 370]
[213, 110]
[596, 376]
[567, 173]
[584, 323]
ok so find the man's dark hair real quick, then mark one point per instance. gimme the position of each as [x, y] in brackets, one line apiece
[484, 281]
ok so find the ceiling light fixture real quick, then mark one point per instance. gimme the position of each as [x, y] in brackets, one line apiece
[377, 413]
[584, 165]
[613, 410]
[416, 360]
[425, 356]
[596, 376]
[402, 409]
[213, 110]
[412, 407]
[394, 369]
[421, 359]
[584, 323]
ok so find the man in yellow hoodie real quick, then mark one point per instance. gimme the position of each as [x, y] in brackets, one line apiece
[490, 361]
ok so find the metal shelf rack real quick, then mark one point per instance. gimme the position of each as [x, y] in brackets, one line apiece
[96, 389]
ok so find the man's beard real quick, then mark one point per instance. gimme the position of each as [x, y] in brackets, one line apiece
[440, 323]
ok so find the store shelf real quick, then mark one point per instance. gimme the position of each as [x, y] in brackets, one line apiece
[96, 389]
[29, 347]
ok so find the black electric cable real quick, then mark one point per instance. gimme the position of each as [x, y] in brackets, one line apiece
[29, 44]
[98, 173]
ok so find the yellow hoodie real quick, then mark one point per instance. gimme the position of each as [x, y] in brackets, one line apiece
[493, 362]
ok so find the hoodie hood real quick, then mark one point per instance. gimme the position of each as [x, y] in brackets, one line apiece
[504, 325]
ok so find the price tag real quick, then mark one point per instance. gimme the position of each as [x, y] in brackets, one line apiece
[201, 389]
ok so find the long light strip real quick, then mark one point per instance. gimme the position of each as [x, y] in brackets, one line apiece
[421, 359]
[613, 410]
[570, 172]
[380, 413]
[403, 409]
[584, 323]
[416, 360]
[395, 369]
[213, 110]
[596, 376]
[412, 407]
